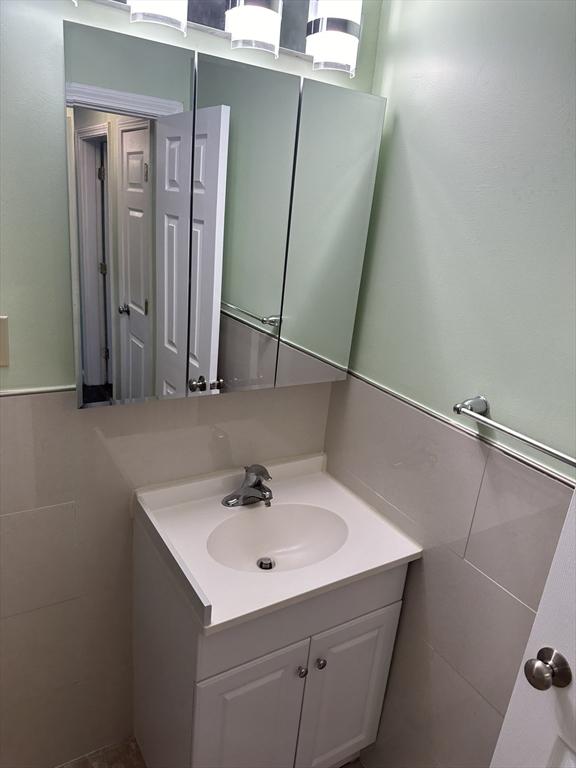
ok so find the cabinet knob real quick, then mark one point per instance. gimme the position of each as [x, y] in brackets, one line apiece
[321, 663]
[302, 671]
[547, 669]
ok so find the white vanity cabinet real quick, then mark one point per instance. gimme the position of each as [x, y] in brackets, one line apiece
[311, 705]
[248, 717]
[260, 669]
[348, 669]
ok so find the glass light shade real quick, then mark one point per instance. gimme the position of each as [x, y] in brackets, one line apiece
[171, 13]
[255, 24]
[333, 34]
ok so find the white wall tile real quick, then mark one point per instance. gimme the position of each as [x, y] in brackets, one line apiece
[518, 519]
[438, 484]
[432, 716]
[39, 558]
[470, 621]
[428, 470]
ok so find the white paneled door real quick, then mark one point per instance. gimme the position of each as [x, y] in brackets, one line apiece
[248, 717]
[348, 669]
[134, 260]
[210, 166]
[173, 202]
[539, 729]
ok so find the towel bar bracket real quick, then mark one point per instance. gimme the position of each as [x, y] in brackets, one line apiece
[477, 404]
[478, 409]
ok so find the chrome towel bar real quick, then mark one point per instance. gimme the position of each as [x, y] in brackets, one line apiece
[272, 320]
[478, 407]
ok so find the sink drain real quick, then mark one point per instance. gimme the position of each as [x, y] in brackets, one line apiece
[265, 563]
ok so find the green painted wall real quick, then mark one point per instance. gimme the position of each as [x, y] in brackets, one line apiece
[469, 284]
[34, 253]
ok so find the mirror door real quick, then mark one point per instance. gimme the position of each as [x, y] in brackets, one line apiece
[131, 122]
[222, 211]
[263, 107]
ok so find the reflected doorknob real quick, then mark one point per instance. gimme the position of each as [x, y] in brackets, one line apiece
[547, 669]
[302, 671]
[197, 385]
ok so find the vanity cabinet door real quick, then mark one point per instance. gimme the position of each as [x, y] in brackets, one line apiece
[348, 669]
[248, 717]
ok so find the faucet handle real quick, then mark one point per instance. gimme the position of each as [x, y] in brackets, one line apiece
[259, 472]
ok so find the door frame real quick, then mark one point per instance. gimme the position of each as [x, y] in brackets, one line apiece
[120, 102]
[84, 176]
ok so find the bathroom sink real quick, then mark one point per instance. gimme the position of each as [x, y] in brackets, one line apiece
[317, 535]
[281, 537]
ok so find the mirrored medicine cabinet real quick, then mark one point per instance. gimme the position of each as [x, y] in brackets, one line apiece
[218, 219]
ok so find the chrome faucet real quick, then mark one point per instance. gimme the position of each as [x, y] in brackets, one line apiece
[252, 489]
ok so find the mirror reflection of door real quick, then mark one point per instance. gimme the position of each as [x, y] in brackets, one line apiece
[173, 193]
[150, 277]
[134, 260]
[115, 224]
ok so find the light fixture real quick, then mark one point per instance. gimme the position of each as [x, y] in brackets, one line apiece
[333, 33]
[255, 24]
[171, 13]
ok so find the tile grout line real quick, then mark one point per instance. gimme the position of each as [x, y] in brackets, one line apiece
[43, 607]
[463, 677]
[475, 508]
[511, 594]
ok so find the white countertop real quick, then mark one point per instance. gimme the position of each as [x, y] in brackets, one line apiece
[183, 515]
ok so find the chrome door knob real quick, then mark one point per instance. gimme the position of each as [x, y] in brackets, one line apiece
[547, 669]
[321, 663]
[124, 309]
[302, 671]
[197, 385]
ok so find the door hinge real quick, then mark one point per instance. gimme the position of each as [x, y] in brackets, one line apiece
[106, 353]
[145, 171]
[103, 267]
[101, 173]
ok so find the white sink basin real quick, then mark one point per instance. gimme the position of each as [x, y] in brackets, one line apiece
[319, 534]
[291, 535]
